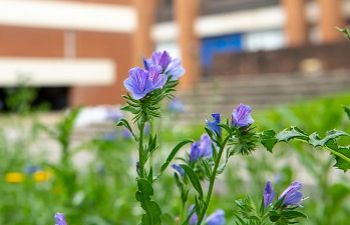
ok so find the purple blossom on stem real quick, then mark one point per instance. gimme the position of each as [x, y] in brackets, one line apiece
[193, 220]
[178, 169]
[241, 116]
[60, 219]
[165, 64]
[201, 148]
[214, 123]
[217, 218]
[292, 195]
[269, 194]
[141, 82]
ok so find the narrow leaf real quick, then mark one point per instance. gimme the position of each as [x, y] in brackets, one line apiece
[193, 178]
[173, 154]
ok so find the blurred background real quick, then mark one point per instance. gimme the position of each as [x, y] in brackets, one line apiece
[285, 58]
[261, 52]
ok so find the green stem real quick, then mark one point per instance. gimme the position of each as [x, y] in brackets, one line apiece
[141, 151]
[212, 182]
[339, 155]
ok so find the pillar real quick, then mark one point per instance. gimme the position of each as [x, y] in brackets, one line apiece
[143, 43]
[186, 13]
[331, 16]
[296, 26]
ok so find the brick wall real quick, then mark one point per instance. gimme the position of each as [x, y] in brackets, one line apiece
[35, 42]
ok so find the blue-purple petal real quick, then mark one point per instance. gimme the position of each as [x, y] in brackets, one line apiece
[292, 194]
[141, 82]
[201, 148]
[241, 116]
[178, 169]
[217, 218]
[269, 194]
[169, 66]
[214, 123]
[60, 219]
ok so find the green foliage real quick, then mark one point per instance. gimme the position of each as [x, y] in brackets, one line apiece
[152, 209]
[248, 214]
[270, 138]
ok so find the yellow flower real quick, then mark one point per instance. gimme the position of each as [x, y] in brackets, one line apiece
[41, 176]
[14, 177]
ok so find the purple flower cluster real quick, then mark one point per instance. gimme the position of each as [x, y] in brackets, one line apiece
[157, 70]
[165, 64]
[291, 195]
[201, 148]
[60, 219]
[241, 117]
[217, 218]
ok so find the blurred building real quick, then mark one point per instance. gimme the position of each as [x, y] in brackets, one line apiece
[81, 50]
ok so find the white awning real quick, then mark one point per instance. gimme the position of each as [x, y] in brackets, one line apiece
[68, 15]
[56, 72]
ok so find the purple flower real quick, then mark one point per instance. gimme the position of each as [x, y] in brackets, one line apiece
[194, 218]
[165, 64]
[217, 218]
[214, 124]
[201, 148]
[292, 195]
[178, 169]
[269, 194]
[176, 106]
[241, 116]
[60, 219]
[141, 82]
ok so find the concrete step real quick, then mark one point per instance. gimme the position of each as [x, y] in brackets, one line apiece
[221, 94]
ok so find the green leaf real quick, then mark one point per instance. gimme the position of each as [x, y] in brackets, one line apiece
[291, 133]
[193, 178]
[341, 155]
[131, 109]
[173, 154]
[125, 123]
[347, 111]
[345, 31]
[152, 210]
[340, 162]
[268, 139]
[293, 214]
[315, 140]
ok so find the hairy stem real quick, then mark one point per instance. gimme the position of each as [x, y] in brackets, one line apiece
[212, 182]
[141, 166]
